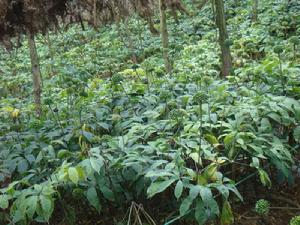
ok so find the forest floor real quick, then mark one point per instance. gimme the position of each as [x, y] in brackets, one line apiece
[284, 201]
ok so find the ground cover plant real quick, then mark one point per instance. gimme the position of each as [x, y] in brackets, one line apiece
[138, 128]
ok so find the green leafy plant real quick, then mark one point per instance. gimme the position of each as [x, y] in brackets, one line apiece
[114, 132]
[295, 42]
[295, 220]
[262, 207]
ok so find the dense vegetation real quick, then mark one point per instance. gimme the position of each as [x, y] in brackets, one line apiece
[136, 144]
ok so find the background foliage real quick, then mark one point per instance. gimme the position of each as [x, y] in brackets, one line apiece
[114, 132]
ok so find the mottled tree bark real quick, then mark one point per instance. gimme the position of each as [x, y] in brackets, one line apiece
[130, 42]
[223, 36]
[36, 73]
[164, 36]
[254, 10]
[201, 4]
[51, 54]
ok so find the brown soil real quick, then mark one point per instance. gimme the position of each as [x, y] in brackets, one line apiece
[284, 199]
[284, 196]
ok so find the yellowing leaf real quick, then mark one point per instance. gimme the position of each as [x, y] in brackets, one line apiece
[264, 178]
[211, 139]
[227, 215]
[73, 175]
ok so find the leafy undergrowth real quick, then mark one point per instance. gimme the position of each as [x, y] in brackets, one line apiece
[183, 145]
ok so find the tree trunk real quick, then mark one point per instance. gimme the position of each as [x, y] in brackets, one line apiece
[95, 13]
[255, 10]
[36, 73]
[223, 37]
[164, 36]
[201, 4]
[130, 41]
[51, 54]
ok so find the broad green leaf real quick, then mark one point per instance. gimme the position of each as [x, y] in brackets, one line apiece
[18, 216]
[31, 205]
[297, 133]
[178, 189]
[211, 171]
[194, 191]
[211, 139]
[73, 175]
[104, 125]
[60, 142]
[93, 199]
[107, 193]
[202, 179]
[46, 206]
[205, 194]
[158, 187]
[4, 201]
[88, 135]
[192, 174]
[200, 212]
[229, 139]
[223, 190]
[206, 210]
[47, 189]
[213, 206]
[232, 152]
[264, 178]
[240, 141]
[185, 206]
[255, 162]
[233, 188]
[62, 154]
[275, 117]
[158, 173]
[195, 156]
[22, 166]
[80, 172]
[96, 164]
[265, 125]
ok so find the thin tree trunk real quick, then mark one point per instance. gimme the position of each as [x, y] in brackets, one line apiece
[36, 73]
[95, 13]
[214, 19]
[164, 36]
[223, 36]
[151, 26]
[201, 4]
[51, 53]
[255, 10]
[130, 42]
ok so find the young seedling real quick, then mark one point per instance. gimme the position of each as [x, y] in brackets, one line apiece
[49, 102]
[295, 41]
[178, 115]
[200, 97]
[279, 50]
[207, 82]
[251, 49]
[117, 80]
[164, 97]
[134, 68]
